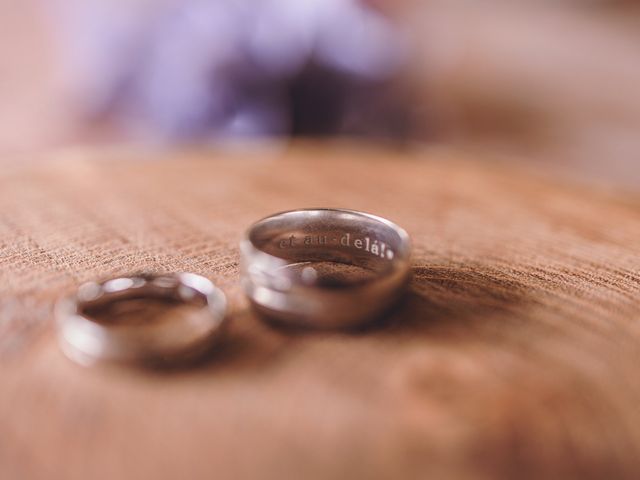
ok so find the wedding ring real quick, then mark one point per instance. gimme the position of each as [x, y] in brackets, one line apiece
[324, 268]
[86, 337]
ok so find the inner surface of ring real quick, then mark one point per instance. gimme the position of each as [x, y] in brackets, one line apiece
[139, 301]
[328, 247]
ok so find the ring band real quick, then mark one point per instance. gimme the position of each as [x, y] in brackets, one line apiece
[285, 259]
[86, 340]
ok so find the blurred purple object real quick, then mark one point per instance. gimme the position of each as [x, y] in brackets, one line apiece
[195, 70]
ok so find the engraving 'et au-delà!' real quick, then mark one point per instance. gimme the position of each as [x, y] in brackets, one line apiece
[367, 244]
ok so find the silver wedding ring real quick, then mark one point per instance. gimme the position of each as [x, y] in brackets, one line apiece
[324, 268]
[86, 340]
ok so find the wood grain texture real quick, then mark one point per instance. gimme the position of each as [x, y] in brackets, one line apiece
[514, 355]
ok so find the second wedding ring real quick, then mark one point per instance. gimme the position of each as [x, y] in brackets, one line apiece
[298, 267]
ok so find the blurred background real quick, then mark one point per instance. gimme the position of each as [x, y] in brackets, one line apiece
[552, 84]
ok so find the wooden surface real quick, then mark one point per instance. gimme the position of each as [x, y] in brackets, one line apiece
[515, 354]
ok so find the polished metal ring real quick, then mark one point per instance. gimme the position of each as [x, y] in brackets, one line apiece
[324, 268]
[86, 340]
